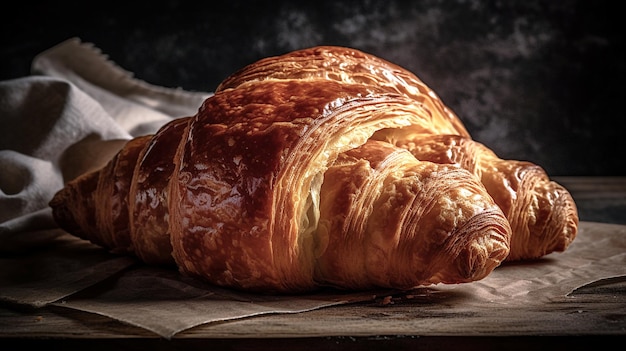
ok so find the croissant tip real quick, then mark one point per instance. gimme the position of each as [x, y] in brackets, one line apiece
[63, 216]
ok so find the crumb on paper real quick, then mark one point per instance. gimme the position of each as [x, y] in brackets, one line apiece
[387, 300]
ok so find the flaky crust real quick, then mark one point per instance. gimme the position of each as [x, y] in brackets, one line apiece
[352, 67]
[305, 170]
[389, 220]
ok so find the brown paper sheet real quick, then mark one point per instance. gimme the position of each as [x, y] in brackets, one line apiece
[165, 303]
[67, 265]
[75, 274]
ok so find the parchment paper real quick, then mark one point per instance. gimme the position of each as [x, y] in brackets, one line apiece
[76, 111]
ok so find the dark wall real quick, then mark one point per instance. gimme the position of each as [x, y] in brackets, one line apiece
[535, 80]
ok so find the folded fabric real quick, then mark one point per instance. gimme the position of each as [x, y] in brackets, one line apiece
[70, 116]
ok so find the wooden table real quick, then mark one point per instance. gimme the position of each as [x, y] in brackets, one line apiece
[597, 314]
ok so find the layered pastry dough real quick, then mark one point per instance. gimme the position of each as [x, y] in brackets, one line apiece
[322, 167]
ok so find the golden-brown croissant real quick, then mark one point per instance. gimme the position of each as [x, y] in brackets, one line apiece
[277, 184]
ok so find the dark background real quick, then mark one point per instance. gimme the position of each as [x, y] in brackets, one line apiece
[534, 80]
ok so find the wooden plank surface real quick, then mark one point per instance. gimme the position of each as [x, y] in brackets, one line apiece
[597, 310]
[599, 199]
[597, 188]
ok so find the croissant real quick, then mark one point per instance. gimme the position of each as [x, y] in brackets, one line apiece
[301, 171]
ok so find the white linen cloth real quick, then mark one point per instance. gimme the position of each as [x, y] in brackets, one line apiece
[70, 116]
